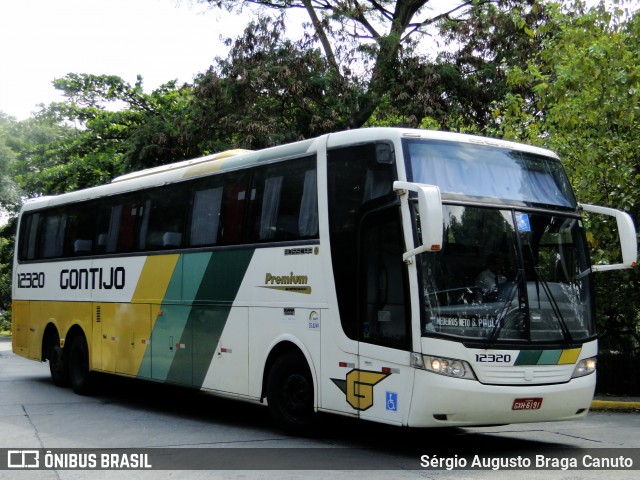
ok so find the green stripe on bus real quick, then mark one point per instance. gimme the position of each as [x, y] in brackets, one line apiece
[547, 357]
[221, 278]
[528, 357]
[169, 321]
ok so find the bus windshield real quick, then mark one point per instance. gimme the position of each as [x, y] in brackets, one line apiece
[466, 171]
[508, 277]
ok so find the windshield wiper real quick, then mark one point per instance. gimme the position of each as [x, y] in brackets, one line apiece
[554, 305]
[495, 332]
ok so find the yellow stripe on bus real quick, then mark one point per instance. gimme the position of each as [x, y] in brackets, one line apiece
[569, 356]
[154, 279]
[214, 164]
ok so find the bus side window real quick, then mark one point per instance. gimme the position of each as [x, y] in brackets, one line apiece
[52, 235]
[162, 218]
[284, 203]
[118, 225]
[29, 236]
[80, 229]
[205, 216]
[235, 196]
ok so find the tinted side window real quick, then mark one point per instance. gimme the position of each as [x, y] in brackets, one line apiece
[211, 211]
[162, 220]
[58, 232]
[205, 216]
[284, 202]
[29, 236]
[79, 239]
[218, 205]
[52, 234]
[119, 224]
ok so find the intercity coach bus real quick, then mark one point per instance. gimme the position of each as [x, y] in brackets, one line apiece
[409, 277]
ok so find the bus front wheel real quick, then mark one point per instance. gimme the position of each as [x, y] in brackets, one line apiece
[290, 394]
[79, 373]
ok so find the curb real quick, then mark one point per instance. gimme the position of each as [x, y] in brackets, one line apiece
[604, 405]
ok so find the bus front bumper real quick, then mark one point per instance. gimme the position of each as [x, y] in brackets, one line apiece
[441, 401]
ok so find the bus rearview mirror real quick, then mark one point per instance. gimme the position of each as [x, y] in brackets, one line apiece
[626, 232]
[430, 213]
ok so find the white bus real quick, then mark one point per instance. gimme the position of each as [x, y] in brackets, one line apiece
[409, 277]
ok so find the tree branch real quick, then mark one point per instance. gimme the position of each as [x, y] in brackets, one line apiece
[416, 26]
[362, 19]
[322, 35]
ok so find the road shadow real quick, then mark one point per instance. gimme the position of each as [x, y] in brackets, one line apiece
[331, 430]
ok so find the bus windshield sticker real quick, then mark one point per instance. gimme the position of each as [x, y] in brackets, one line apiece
[522, 220]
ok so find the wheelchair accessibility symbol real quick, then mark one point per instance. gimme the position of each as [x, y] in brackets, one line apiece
[392, 401]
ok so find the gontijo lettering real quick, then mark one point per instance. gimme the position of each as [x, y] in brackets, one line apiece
[92, 278]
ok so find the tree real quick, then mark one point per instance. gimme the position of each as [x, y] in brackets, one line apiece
[40, 149]
[368, 45]
[586, 106]
[269, 90]
[7, 236]
[481, 49]
[84, 141]
[9, 191]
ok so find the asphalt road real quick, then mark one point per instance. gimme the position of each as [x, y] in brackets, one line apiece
[35, 414]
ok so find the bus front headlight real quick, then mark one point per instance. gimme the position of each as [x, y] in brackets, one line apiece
[450, 367]
[585, 367]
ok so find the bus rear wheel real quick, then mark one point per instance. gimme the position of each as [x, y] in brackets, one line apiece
[290, 394]
[80, 377]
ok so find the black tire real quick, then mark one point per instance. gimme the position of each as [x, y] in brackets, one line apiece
[290, 395]
[58, 365]
[80, 377]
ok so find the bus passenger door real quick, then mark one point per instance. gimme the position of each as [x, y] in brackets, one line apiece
[384, 383]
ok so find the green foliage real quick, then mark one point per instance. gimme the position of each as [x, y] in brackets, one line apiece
[473, 69]
[5, 322]
[9, 190]
[124, 128]
[7, 236]
[585, 104]
[46, 155]
[372, 51]
[270, 90]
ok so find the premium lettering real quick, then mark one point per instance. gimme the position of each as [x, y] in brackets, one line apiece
[285, 279]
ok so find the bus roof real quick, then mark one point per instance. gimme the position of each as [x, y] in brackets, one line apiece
[237, 159]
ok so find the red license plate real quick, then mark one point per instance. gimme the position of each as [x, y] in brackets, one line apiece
[527, 404]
